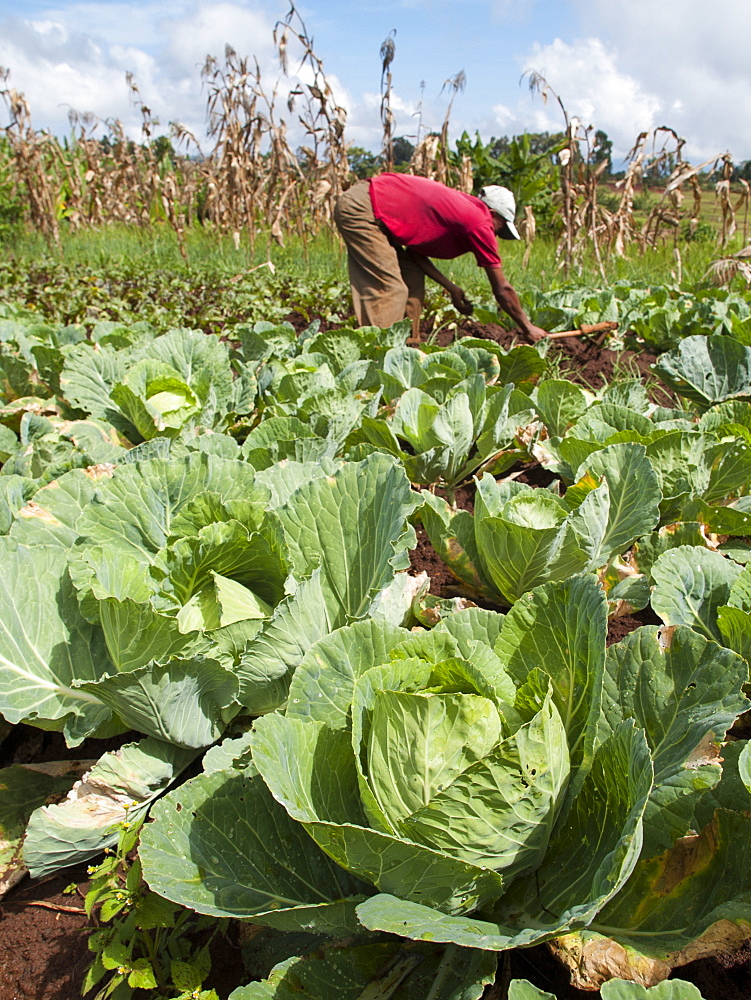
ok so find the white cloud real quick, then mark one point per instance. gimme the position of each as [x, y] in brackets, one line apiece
[58, 66]
[694, 55]
[364, 118]
[686, 33]
[57, 69]
[81, 52]
[113, 22]
[504, 117]
[587, 78]
[208, 28]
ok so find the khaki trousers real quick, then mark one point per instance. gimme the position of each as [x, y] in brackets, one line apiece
[386, 283]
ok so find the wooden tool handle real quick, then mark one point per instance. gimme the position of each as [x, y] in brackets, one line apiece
[585, 328]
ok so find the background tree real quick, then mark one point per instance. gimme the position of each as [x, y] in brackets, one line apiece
[362, 163]
[403, 150]
[602, 149]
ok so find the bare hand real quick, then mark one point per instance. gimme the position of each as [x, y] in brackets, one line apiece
[536, 333]
[460, 301]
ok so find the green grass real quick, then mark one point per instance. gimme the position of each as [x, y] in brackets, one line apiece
[157, 246]
[657, 266]
[322, 254]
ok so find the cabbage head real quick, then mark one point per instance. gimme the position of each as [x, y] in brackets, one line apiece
[491, 783]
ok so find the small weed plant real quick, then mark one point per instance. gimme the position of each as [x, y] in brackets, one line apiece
[144, 942]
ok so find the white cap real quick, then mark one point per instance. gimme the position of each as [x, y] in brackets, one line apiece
[501, 201]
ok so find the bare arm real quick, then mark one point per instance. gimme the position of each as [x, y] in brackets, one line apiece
[508, 300]
[503, 293]
[460, 301]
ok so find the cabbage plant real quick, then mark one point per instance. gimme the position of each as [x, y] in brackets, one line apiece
[173, 594]
[435, 371]
[703, 589]
[49, 446]
[156, 387]
[175, 597]
[578, 423]
[445, 441]
[519, 537]
[704, 476]
[708, 370]
[488, 784]
[613, 989]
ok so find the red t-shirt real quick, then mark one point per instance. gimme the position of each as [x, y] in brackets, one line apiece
[433, 219]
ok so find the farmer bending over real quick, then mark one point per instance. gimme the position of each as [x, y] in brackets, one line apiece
[394, 223]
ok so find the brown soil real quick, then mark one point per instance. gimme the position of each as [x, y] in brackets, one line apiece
[464, 496]
[618, 627]
[44, 954]
[727, 977]
[424, 558]
[301, 321]
[533, 474]
[724, 978]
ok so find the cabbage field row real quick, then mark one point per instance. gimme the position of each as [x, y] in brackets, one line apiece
[206, 545]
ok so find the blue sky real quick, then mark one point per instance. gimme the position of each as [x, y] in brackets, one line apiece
[620, 65]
